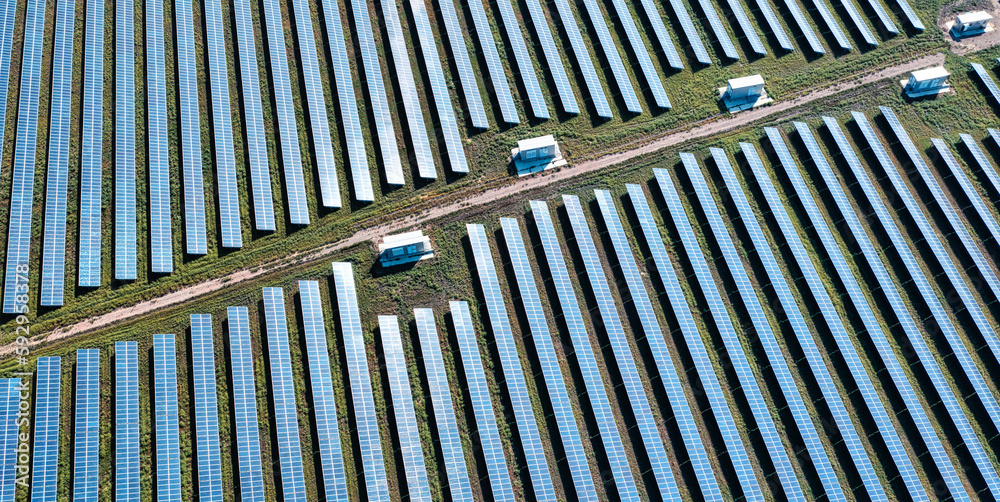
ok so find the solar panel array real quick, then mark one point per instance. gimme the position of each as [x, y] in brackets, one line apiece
[494, 66]
[408, 91]
[190, 125]
[168, 453]
[805, 338]
[125, 217]
[975, 199]
[648, 428]
[696, 347]
[161, 239]
[910, 14]
[222, 125]
[45, 454]
[584, 64]
[987, 79]
[859, 22]
[734, 349]
[126, 421]
[987, 168]
[459, 52]
[402, 410]
[10, 400]
[640, 52]
[256, 135]
[439, 89]
[444, 410]
[804, 27]
[775, 26]
[765, 336]
[748, 31]
[245, 405]
[839, 331]
[391, 166]
[656, 22]
[8, 17]
[661, 354]
[356, 151]
[887, 22]
[517, 389]
[91, 142]
[56, 185]
[684, 18]
[831, 24]
[720, 31]
[23, 182]
[482, 406]
[960, 352]
[610, 51]
[584, 351]
[286, 422]
[365, 415]
[555, 65]
[562, 408]
[206, 409]
[87, 426]
[524, 65]
[284, 105]
[324, 400]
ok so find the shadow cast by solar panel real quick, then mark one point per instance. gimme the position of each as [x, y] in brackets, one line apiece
[871, 16]
[627, 52]
[605, 74]
[823, 32]
[902, 24]
[989, 193]
[712, 38]
[990, 244]
[795, 34]
[766, 34]
[739, 38]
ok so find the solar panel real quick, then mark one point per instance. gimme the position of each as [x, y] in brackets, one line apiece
[987, 79]
[562, 408]
[126, 421]
[517, 389]
[245, 405]
[10, 400]
[661, 353]
[222, 121]
[524, 65]
[286, 422]
[804, 27]
[693, 38]
[161, 239]
[91, 141]
[256, 135]
[444, 410]
[610, 51]
[324, 400]
[864, 310]
[23, 182]
[975, 199]
[640, 52]
[125, 217]
[987, 168]
[584, 64]
[366, 417]
[794, 316]
[494, 66]
[439, 88]
[45, 454]
[696, 347]
[351, 123]
[168, 454]
[960, 352]
[831, 24]
[720, 31]
[555, 65]
[408, 91]
[402, 410]
[8, 17]
[656, 22]
[392, 168]
[206, 409]
[775, 26]
[459, 52]
[910, 14]
[859, 22]
[584, 352]
[762, 327]
[648, 428]
[482, 406]
[56, 185]
[87, 426]
[190, 125]
[887, 22]
[748, 31]
[284, 105]
[734, 349]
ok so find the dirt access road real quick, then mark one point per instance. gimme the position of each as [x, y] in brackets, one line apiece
[670, 138]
